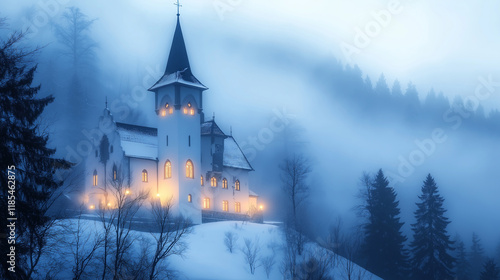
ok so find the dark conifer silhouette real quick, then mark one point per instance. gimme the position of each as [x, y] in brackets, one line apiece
[431, 244]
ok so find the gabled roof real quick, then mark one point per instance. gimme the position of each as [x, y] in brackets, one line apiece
[234, 156]
[178, 69]
[138, 141]
[211, 128]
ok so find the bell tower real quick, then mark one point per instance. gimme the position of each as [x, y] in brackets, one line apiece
[179, 109]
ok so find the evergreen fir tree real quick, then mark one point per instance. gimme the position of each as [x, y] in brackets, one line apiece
[23, 148]
[462, 263]
[384, 243]
[431, 244]
[490, 271]
[476, 257]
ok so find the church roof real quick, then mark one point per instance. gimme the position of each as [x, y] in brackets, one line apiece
[178, 69]
[211, 128]
[234, 156]
[138, 141]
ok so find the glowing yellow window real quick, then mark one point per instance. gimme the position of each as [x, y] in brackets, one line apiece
[237, 185]
[163, 113]
[213, 182]
[237, 207]
[202, 183]
[144, 175]
[190, 198]
[115, 176]
[225, 206]
[169, 109]
[189, 169]
[168, 169]
[94, 178]
[224, 183]
[206, 203]
[191, 112]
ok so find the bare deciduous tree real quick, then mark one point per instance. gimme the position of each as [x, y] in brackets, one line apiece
[294, 173]
[251, 253]
[84, 247]
[317, 265]
[169, 234]
[123, 208]
[268, 262]
[230, 239]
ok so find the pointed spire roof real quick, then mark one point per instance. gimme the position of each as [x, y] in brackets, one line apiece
[178, 69]
[178, 59]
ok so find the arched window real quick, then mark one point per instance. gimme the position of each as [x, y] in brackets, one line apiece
[202, 183]
[190, 198]
[213, 182]
[168, 169]
[144, 175]
[189, 169]
[237, 185]
[189, 109]
[94, 178]
[237, 207]
[224, 183]
[206, 203]
[115, 175]
[225, 205]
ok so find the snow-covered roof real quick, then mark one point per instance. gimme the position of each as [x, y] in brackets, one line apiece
[138, 141]
[211, 128]
[178, 77]
[251, 193]
[233, 156]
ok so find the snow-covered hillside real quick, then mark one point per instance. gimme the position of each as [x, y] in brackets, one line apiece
[207, 256]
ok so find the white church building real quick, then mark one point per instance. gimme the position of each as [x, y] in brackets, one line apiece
[184, 160]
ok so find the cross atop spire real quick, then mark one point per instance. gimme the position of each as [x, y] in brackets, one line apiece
[178, 7]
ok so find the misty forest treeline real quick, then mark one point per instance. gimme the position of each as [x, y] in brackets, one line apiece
[379, 100]
[431, 254]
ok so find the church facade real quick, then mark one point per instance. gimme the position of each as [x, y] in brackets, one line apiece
[185, 161]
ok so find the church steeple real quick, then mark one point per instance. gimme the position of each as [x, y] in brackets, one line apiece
[178, 69]
[178, 59]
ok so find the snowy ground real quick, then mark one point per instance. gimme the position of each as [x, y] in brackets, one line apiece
[208, 258]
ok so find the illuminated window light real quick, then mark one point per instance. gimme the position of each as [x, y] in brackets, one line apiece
[185, 111]
[190, 198]
[163, 113]
[206, 203]
[191, 112]
[225, 206]
[170, 111]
